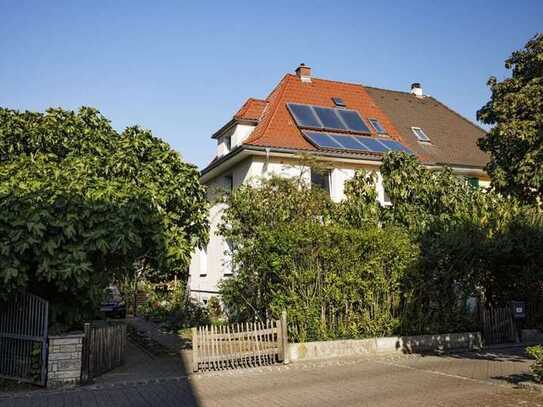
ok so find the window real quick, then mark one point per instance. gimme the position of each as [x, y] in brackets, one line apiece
[376, 124]
[229, 183]
[339, 102]
[203, 262]
[419, 134]
[320, 179]
[473, 182]
[227, 143]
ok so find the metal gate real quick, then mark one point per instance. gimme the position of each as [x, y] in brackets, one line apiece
[498, 326]
[23, 339]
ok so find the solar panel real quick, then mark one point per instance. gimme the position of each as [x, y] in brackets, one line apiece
[349, 142]
[375, 146]
[396, 146]
[329, 118]
[353, 121]
[322, 139]
[304, 116]
[354, 143]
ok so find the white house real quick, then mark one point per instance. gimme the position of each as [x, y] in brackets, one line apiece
[346, 126]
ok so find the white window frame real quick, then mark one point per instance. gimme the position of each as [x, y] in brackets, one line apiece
[420, 135]
[203, 262]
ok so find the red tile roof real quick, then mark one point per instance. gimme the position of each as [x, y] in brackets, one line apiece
[277, 127]
[252, 109]
[452, 136]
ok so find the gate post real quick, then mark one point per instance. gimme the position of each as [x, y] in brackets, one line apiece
[284, 335]
[86, 351]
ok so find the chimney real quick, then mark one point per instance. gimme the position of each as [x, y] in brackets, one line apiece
[304, 73]
[416, 89]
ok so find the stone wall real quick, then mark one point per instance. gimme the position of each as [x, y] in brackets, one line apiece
[64, 365]
[401, 344]
[532, 336]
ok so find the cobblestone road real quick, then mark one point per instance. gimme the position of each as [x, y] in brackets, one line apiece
[454, 380]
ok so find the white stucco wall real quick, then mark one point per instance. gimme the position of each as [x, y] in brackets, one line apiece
[237, 135]
[209, 267]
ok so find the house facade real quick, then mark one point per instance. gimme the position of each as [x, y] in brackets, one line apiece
[344, 126]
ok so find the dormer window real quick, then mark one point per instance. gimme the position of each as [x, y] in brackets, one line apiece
[376, 124]
[420, 134]
[227, 143]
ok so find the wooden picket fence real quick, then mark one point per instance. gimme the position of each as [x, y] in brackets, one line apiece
[498, 326]
[103, 349]
[236, 346]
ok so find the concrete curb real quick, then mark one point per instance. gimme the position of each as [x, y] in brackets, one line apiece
[532, 386]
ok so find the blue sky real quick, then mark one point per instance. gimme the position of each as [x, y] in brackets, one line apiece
[183, 68]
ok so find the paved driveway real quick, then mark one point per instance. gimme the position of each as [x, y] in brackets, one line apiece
[454, 380]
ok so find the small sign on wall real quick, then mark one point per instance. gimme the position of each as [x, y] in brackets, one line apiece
[519, 309]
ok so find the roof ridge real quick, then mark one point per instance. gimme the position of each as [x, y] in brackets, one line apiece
[458, 114]
[389, 90]
[279, 87]
[333, 81]
[435, 100]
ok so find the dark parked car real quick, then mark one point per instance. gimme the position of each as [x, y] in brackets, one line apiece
[113, 305]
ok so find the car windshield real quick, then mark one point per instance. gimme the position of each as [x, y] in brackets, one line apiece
[111, 294]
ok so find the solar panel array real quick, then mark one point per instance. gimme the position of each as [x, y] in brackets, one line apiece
[354, 143]
[326, 118]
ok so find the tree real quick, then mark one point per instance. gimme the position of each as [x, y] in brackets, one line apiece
[515, 110]
[81, 203]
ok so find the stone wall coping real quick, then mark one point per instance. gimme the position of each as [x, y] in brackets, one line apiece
[395, 344]
[67, 336]
[445, 336]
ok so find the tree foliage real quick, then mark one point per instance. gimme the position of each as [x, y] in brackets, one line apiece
[79, 203]
[294, 250]
[515, 110]
[357, 269]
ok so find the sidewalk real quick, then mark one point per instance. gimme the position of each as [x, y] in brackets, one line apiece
[479, 379]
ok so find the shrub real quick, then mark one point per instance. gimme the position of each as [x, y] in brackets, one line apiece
[537, 353]
[293, 252]
[356, 269]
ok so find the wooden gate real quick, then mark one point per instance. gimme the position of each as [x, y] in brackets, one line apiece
[498, 326]
[242, 345]
[23, 339]
[104, 346]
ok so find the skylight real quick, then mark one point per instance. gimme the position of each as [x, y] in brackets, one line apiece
[339, 102]
[419, 134]
[376, 124]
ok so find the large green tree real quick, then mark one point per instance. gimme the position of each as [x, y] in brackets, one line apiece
[80, 203]
[515, 110]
